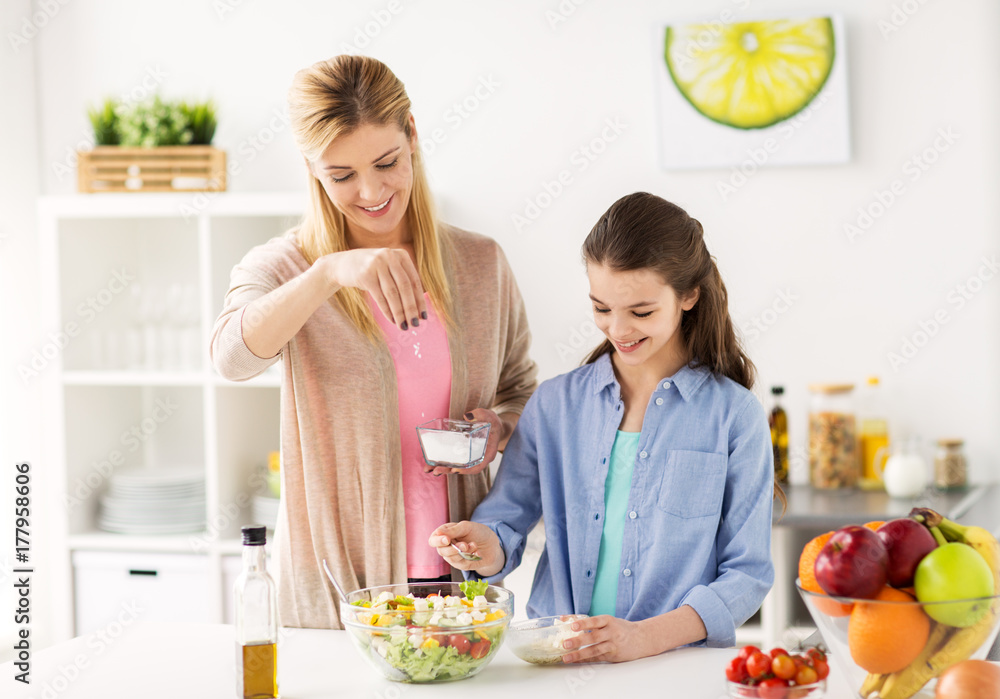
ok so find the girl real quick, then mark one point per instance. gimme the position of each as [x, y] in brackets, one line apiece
[651, 463]
[383, 318]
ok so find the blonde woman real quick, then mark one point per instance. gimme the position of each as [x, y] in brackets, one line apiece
[383, 318]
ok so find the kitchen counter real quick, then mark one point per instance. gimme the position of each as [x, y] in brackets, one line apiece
[156, 660]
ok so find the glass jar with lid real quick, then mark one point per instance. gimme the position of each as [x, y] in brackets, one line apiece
[950, 467]
[833, 447]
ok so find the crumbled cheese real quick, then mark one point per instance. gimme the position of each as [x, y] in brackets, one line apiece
[420, 605]
[451, 601]
[464, 619]
[436, 618]
[478, 615]
[480, 601]
[384, 597]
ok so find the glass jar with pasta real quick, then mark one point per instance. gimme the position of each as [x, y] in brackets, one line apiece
[833, 447]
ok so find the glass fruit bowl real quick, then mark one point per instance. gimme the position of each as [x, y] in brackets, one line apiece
[801, 691]
[540, 641]
[453, 443]
[893, 646]
[427, 632]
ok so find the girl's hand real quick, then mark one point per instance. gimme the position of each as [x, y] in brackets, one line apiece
[471, 537]
[389, 275]
[614, 640]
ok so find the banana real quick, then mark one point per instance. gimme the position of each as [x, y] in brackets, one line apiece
[948, 645]
[872, 684]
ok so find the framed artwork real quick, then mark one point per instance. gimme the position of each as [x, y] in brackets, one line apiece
[769, 92]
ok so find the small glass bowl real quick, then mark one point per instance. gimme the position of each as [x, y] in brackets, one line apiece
[453, 443]
[799, 691]
[539, 641]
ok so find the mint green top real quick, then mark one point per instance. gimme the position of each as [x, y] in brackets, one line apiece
[616, 489]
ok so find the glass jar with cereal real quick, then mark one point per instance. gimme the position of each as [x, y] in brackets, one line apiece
[833, 457]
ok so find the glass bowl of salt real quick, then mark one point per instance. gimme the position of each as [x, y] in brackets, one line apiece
[453, 443]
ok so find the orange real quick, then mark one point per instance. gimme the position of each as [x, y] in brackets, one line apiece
[874, 525]
[885, 638]
[807, 577]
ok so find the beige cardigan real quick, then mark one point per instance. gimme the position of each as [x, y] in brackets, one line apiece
[341, 493]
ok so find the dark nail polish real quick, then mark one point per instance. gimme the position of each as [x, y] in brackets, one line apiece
[423, 314]
[470, 416]
[415, 321]
[404, 326]
[438, 474]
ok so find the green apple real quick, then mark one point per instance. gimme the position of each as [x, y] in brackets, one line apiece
[954, 571]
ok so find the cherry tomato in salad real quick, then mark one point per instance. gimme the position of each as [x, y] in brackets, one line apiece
[822, 669]
[784, 667]
[480, 649]
[758, 665]
[772, 688]
[736, 670]
[775, 652]
[747, 651]
[460, 643]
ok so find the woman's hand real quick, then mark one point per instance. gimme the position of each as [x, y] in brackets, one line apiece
[498, 430]
[614, 640]
[471, 537]
[389, 275]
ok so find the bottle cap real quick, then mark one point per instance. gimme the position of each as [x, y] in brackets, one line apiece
[873, 381]
[777, 390]
[254, 535]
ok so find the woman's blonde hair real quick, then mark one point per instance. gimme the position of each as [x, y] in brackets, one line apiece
[333, 98]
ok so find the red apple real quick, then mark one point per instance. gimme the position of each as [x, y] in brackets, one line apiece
[907, 542]
[853, 563]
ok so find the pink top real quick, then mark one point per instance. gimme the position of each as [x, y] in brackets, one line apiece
[423, 380]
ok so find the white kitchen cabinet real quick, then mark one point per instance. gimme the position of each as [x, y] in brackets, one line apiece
[132, 284]
[122, 587]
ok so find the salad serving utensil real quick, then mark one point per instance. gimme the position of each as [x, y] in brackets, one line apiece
[333, 581]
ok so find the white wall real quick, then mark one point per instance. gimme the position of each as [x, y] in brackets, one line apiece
[554, 86]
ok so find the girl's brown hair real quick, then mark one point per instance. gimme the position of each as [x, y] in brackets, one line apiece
[331, 99]
[644, 231]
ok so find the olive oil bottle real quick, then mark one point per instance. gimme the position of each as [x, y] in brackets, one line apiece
[778, 421]
[256, 621]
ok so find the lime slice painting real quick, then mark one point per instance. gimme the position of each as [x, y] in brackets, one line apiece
[752, 94]
[750, 75]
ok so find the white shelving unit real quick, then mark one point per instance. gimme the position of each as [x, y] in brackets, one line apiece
[102, 254]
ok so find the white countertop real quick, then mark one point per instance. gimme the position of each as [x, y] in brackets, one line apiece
[153, 660]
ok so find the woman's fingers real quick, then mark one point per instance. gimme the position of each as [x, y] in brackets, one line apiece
[403, 281]
[418, 287]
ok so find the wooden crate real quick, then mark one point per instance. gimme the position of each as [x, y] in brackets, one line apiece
[163, 169]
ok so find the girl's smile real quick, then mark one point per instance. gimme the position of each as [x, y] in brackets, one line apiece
[641, 315]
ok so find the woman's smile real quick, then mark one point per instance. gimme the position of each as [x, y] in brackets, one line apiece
[378, 210]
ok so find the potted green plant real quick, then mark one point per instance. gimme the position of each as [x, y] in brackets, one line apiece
[156, 145]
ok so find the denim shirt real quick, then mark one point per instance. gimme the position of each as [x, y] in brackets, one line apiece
[698, 522]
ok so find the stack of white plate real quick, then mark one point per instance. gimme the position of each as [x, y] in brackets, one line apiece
[154, 502]
[265, 510]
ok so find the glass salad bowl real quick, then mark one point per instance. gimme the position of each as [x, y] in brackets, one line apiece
[428, 632]
[453, 443]
[540, 641]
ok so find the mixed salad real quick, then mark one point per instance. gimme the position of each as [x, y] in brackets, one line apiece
[431, 638]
